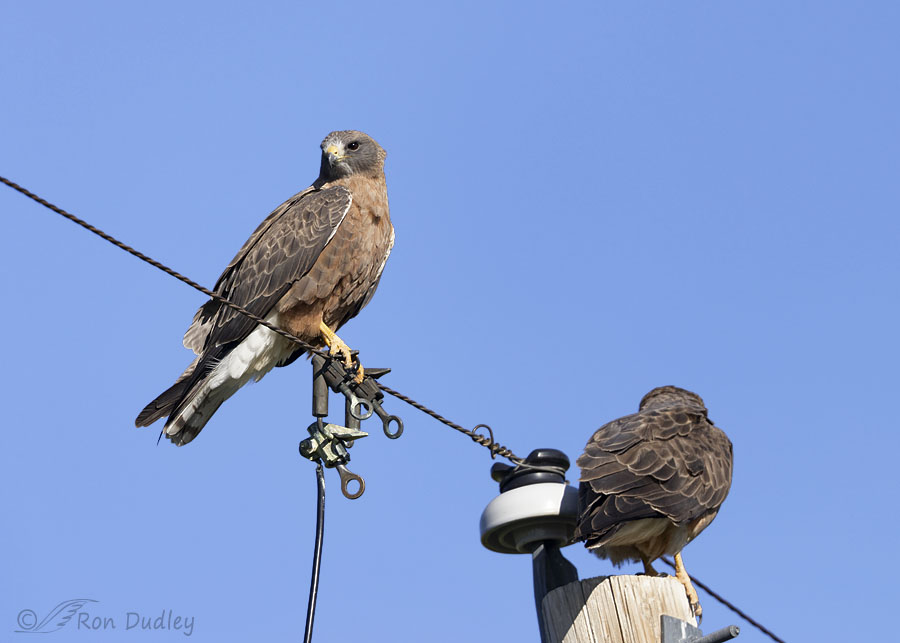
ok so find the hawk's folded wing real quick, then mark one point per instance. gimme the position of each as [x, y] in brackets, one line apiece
[282, 250]
[669, 463]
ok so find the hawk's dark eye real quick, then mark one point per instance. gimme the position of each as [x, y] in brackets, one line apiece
[353, 146]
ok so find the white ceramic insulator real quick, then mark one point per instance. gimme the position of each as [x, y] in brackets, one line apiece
[517, 521]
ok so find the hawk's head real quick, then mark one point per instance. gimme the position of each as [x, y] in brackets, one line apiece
[350, 152]
[665, 396]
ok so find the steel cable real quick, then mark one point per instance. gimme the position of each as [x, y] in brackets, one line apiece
[480, 439]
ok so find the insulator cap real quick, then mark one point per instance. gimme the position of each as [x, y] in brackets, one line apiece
[550, 466]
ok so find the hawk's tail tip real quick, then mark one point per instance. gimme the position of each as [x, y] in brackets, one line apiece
[162, 405]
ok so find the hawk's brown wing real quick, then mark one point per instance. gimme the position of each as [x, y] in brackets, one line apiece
[282, 249]
[671, 463]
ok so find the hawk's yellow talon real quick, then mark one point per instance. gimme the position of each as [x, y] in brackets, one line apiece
[682, 575]
[337, 345]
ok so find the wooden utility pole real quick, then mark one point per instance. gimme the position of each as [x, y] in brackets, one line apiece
[613, 609]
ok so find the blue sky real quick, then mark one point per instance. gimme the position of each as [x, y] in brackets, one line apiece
[589, 201]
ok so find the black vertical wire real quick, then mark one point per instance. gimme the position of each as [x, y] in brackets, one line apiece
[317, 554]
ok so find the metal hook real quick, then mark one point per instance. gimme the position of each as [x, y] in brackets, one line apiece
[386, 423]
[480, 439]
[356, 404]
[347, 477]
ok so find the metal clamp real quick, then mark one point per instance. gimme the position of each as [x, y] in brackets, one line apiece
[368, 390]
[363, 398]
[328, 444]
[339, 380]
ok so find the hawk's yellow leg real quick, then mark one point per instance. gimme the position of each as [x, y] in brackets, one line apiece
[337, 345]
[682, 575]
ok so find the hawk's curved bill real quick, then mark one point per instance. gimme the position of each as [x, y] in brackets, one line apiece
[652, 481]
[309, 267]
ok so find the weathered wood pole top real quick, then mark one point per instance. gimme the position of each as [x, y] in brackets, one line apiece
[613, 609]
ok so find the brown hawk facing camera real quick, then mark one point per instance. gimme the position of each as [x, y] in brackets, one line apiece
[309, 267]
[652, 481]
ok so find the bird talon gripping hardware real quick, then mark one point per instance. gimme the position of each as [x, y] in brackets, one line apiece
[363, 398]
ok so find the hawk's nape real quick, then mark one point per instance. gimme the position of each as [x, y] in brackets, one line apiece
[309, 267]
[652, 481]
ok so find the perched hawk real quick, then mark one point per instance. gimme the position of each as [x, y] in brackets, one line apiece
[308, 268]
[652, 481]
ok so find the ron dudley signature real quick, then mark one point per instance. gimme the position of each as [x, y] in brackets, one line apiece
[74, 614]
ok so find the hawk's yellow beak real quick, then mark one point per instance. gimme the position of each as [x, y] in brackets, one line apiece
[332, 151]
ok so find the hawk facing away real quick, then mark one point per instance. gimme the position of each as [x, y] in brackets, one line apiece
[309, 267]
[652, 481]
